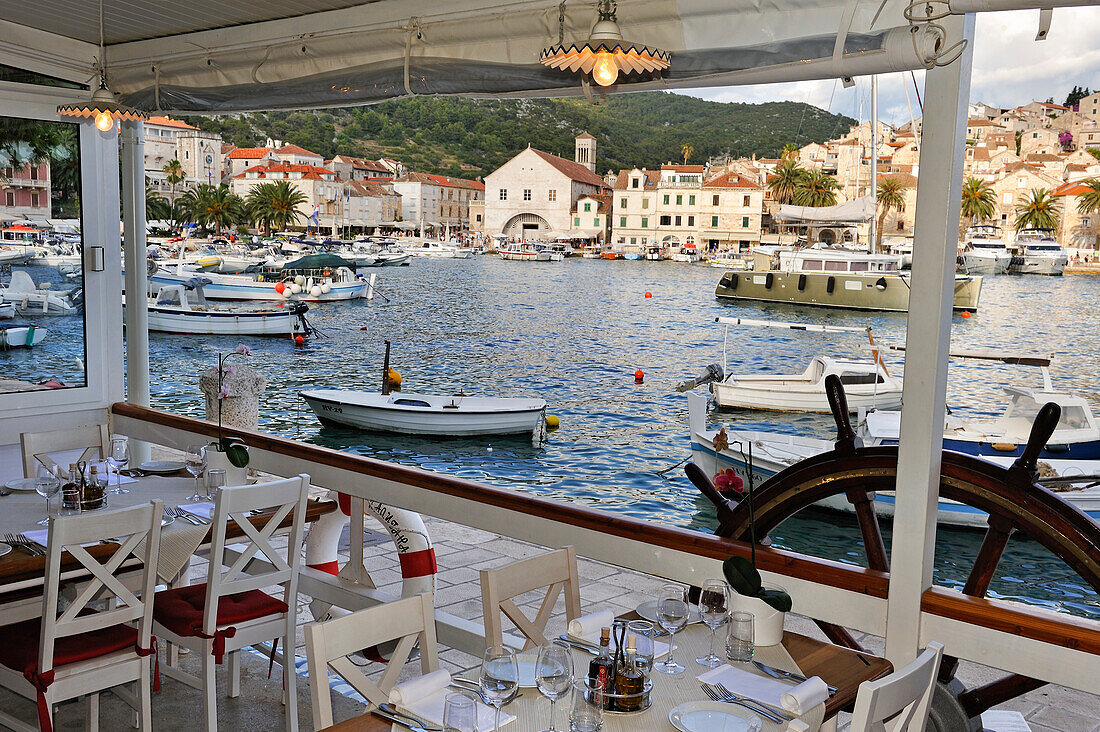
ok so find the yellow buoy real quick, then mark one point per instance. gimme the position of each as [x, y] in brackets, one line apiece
[552, 422]
[1004, 446]
[394, 379]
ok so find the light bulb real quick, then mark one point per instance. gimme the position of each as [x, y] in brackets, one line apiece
[606, 71]
[104, 121]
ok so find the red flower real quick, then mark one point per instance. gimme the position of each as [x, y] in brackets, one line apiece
[728, 480]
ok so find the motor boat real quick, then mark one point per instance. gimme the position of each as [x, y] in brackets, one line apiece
[28, 297]
[518, 251]
[20, 336]
[439, 250]
[7, 310]
[655, 253]
[431, 415]
[686, 253]
[1038, 252]
[182, 308]
[984, 252]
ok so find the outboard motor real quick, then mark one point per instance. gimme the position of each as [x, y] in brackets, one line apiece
[712, 373]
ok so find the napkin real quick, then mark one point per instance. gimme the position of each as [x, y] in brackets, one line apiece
[41, 536]
[424, 697]
[105, 469]
[590, 624]
[805, 696]
[757, 686]
[205, 509]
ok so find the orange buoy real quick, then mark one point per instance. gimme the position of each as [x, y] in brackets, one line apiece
[965, 313]
[638, 376]
[649, 294]
[280, 287]
[299, 340]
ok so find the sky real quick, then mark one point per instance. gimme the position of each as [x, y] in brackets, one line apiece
[1010, 68]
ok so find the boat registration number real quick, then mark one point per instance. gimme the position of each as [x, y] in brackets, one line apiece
[330, 408]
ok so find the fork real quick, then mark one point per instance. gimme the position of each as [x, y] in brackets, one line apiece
[24, 543]
[717, 696]
[175, 511]
[201, 520]
[775, 710]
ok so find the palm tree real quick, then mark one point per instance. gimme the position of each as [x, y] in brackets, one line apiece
[786, 180]
[173, 174]
[156, 206]
[817, 188]
[979, 201]
[1089, 201]
[210, 206]
[687, 151]
[789, 152]
[1038, 211]
[890, 196]
[274, 206]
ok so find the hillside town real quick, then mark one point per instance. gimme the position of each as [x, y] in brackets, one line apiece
[726, 206]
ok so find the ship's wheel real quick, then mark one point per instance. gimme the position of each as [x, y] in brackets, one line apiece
[1010, 496]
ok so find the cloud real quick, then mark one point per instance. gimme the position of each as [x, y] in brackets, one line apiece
[1010, 68]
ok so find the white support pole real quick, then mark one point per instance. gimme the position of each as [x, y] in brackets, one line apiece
[928, 341]
[874, 163]
[137, 282]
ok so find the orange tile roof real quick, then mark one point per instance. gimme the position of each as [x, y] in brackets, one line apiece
[622, 180]
[295, 150]
[313, 170]
[249, 153]
[905, 179]
[684, 168]
[731, 180]
[1073, 188]
[572, 170]
[169, 122]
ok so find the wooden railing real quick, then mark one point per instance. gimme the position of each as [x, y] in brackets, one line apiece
[1040, 643]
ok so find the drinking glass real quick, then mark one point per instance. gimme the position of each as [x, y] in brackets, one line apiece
[459, 713]
[644, 632]
[672, 613]
[499, 677]
[195, 462]
[215, 481]
[46, 484]
[739, 638]
[586, 711]
[553, 675]
[118, 458]
[713, 605]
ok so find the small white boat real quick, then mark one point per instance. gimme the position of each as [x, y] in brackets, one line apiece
[687, 253]
[7, 310]
[655, 253]
[432, 415]
[725, 260]
[340, 284]
[1038, 253]
[28, 297]
[183, 309]
[518, 252]
[867, 382]
[984, 252]
[439, 250]
[20, 336]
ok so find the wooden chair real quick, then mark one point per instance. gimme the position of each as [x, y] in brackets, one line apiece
[557, 571]
[75, 651]
[899, 702]
[329, 644]
[229, 611]
[44, 444]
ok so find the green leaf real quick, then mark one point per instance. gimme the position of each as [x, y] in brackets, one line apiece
[742, 576]
[778, 599]
[235, 450]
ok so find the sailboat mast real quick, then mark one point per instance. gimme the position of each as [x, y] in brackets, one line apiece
[874, 162]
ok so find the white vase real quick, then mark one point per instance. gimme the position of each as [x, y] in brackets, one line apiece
[767, 622]
[215, 458]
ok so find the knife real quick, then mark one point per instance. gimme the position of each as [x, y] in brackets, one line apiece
[398, 720]
[777, 673]
[392, 710]
[579, 645]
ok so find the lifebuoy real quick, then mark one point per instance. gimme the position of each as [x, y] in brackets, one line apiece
[414, 547]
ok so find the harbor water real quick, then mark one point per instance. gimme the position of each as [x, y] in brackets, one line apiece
[574, 333]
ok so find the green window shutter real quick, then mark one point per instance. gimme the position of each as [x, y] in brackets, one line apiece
[714, 222]
[576, 221]
[744, 222]
[666, 199]
[622, 221]
[596, 221]
[691, 200]
[679, 200]
[645, 222]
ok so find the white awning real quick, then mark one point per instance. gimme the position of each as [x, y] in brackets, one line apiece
[214, 56]
[853, 212]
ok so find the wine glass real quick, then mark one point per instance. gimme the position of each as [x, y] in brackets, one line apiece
[499, 677]
[119, 457]
[713, 605]
[195, 462]
[46, 484]
[672, 614]
[553, 674]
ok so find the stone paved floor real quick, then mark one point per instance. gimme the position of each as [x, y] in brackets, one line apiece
[461, 552]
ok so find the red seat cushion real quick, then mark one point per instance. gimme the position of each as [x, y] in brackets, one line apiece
[19, 649]
[180, 609]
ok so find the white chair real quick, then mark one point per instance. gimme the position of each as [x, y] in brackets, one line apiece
[329, 644]
[899, 702]
[72, 652]
[557, 571]
[89, 437]
[229, 611]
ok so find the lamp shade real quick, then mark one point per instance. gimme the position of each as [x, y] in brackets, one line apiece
[605, 54]
[102, 107]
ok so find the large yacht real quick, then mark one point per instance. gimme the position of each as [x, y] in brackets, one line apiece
[984, 252]
[1038, 252]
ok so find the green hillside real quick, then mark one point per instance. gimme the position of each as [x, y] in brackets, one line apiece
[467, 137]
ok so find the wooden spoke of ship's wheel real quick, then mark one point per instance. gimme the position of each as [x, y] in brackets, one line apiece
[1013, 502]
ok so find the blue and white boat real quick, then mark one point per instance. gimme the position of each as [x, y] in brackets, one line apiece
[340, 284]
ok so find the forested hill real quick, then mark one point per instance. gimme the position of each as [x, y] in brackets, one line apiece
[467, 137]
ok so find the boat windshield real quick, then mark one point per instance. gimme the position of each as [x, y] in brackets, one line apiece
[1073, 416]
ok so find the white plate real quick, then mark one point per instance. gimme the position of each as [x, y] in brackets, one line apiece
[4, 548]
[157, 467]
[20, 484]
[527, 661]
[648, 610]
[711, 716]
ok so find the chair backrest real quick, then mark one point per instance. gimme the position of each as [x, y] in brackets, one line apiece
[44, 444]
[236, 502]
[137, 530]
[556, 571]
[329, 644]
[899, 702]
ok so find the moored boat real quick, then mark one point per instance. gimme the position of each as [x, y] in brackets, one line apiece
[183, 309]
[1038, 252]
[984, 252]
[20, 336]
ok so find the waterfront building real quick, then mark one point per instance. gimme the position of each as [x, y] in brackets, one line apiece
[371, 204]
[1013, 185]
[325, 198]
[437, 202]
[536, 193]
[634, 209]
[198, 153]
[24, 191]
[1076, 230]
[592, 217]
[731, 213]
[351, 168]
[239, 159]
